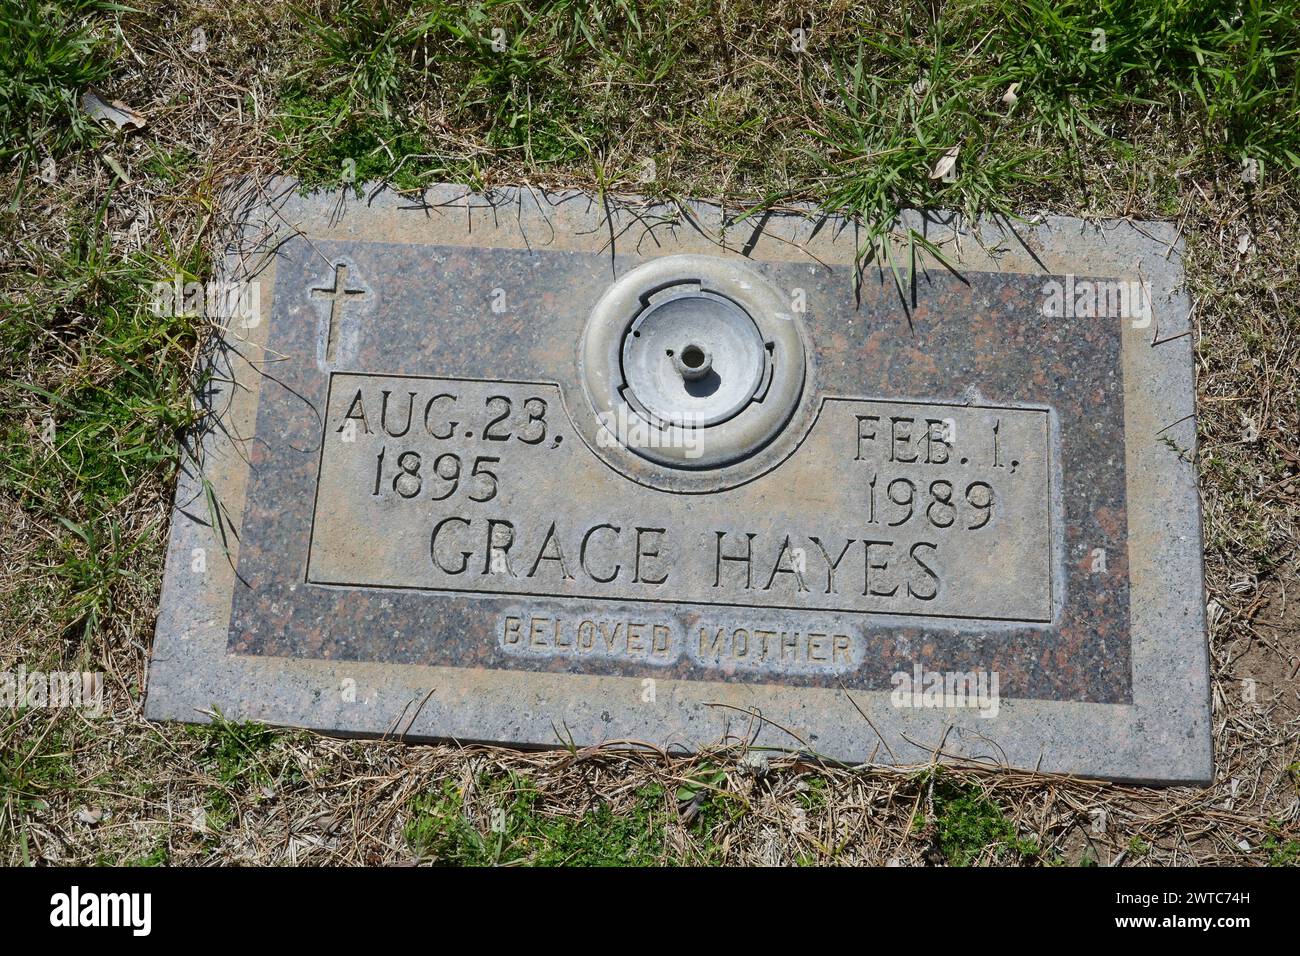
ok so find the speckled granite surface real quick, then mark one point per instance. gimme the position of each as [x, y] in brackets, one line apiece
[419, 531]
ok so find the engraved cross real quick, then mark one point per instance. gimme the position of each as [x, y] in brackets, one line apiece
[337, 296]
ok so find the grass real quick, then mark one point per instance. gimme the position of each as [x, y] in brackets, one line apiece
[49, 55]
[119, 398]
[888, 98]
[500, 821]
[328, 146]
[860, 120]
[971, 828]
[669, 98]
[1282, 852]
[155, 857]
[240, 759]
[100, 412]
[32, 774]
[965, 825]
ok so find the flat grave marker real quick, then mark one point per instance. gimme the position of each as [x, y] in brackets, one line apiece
[541, 468]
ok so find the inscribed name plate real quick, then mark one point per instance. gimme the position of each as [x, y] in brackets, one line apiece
[530, 469]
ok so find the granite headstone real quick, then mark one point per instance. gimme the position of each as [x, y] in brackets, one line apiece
[547, 468]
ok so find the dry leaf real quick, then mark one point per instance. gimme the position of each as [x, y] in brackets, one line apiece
[1249, 430]
[116, 167]
[946, 163]
[116, 112]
